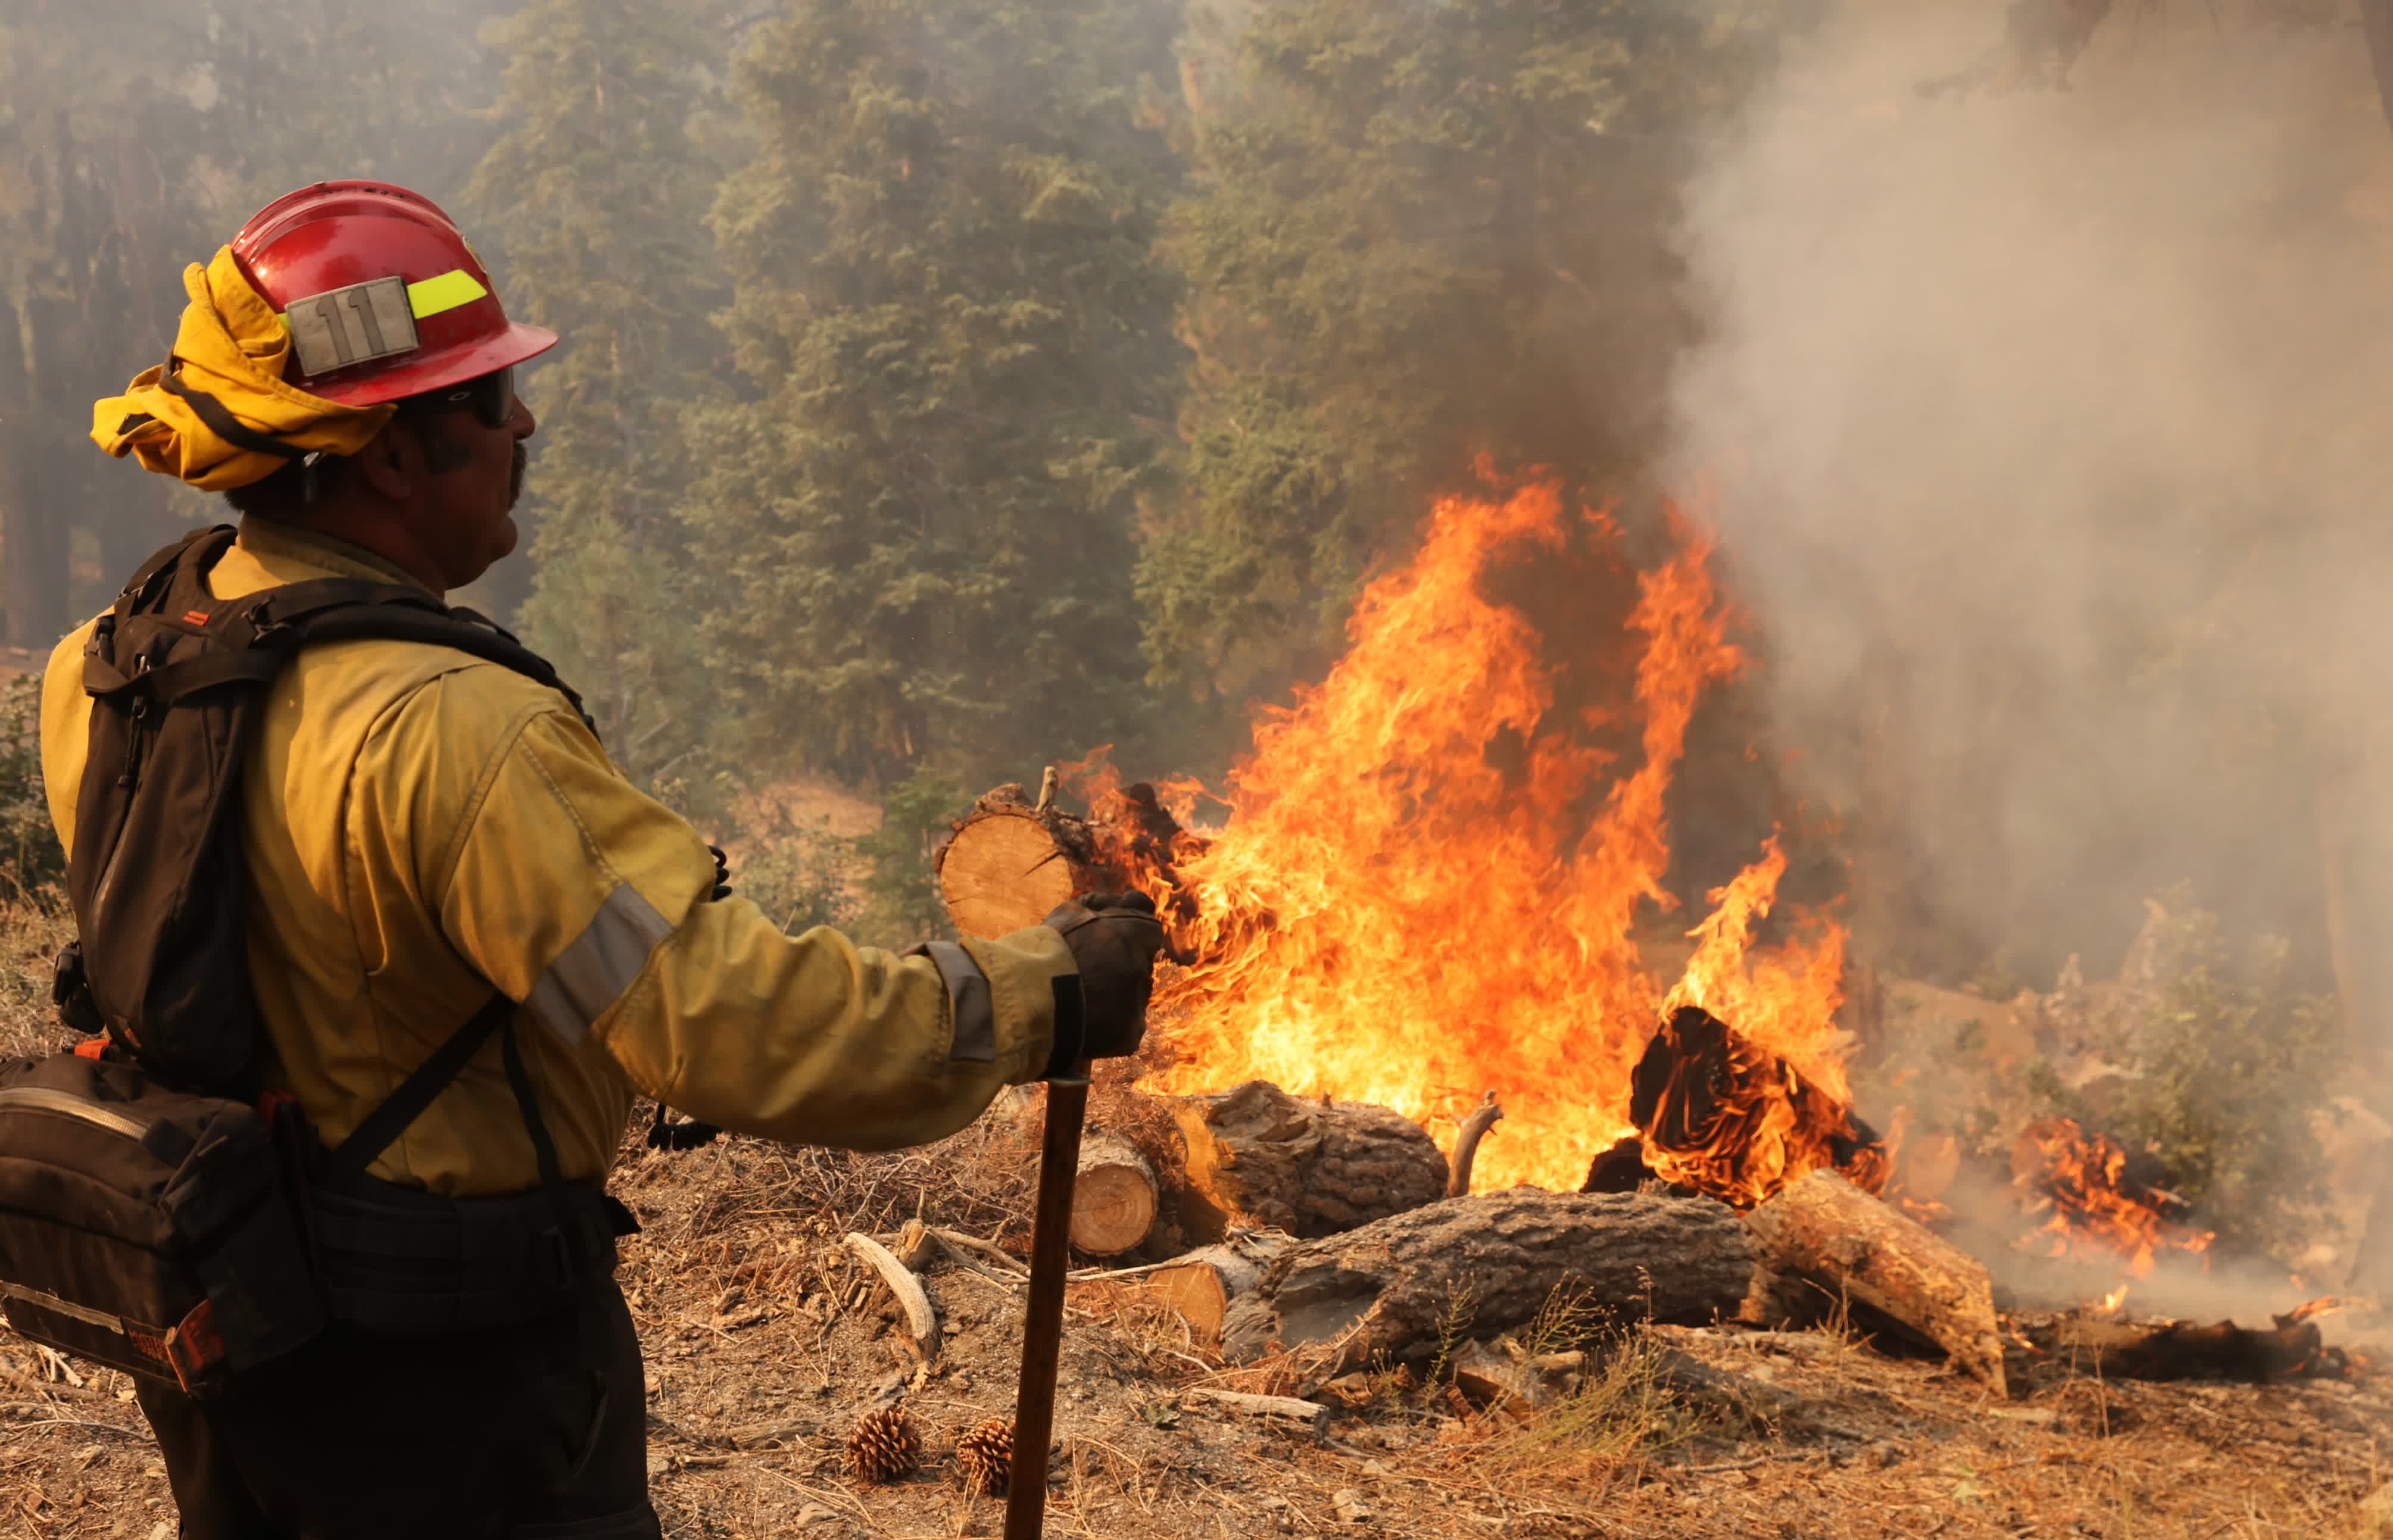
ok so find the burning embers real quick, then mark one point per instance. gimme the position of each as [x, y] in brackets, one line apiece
[2098, 1204]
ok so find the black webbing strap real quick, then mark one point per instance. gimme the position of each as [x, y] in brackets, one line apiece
[416, 1093]
[220, 422]
[543, 1149]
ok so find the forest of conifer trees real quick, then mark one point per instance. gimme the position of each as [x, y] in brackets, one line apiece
[943, 383]
[953, 386]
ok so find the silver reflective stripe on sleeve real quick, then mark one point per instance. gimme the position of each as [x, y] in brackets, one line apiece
[593, 972]
[975, 1036]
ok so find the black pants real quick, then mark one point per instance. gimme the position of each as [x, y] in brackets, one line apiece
[537, 1432]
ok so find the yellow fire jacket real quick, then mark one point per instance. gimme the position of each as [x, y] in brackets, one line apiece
[422, 826]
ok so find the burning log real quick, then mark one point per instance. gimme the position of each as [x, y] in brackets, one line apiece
[2182, 1350]
[1009, 860]
[1114, 1197]
[1259, 1157]
[1724, 1116]
[1203, 1285]
[1397, 1289]
[1829, 1232]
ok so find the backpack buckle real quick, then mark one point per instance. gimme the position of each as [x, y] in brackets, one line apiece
[195, 1351]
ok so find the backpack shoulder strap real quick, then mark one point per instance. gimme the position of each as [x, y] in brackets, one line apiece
[404, 1105]
[347, 610]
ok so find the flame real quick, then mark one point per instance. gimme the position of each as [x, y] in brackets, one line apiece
[2116, 1300]
[2080, 1176]
[1411, 901]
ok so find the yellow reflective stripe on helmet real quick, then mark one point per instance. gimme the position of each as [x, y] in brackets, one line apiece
[447, 291]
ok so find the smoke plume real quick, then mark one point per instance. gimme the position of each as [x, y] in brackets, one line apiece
[2054, 435]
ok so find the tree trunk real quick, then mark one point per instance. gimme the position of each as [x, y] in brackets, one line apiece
[1259, 1157]
[1203, 1285]
[34, 580]
[2376, 18]
[1400, 1289]
[1112, 1199]
[1827, 1230]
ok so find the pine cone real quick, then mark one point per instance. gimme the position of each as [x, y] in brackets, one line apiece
[883, 1446]
[985, 1456]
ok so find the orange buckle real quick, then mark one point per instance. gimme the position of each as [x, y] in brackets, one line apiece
[91, 1048]
[194, 1349]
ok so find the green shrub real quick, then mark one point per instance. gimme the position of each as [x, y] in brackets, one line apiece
[2231, 1062]
[31, 860]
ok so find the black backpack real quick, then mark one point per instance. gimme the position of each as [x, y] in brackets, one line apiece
[177, 679]
[156, 1214]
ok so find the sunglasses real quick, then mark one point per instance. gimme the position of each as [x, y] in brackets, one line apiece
[490, 397]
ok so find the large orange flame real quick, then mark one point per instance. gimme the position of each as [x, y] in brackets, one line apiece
[1411, 904]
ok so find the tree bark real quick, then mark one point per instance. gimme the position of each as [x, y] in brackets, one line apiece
[1259, 1157]
[1113, 1198]
[1825, 1229]
[1400, 1289]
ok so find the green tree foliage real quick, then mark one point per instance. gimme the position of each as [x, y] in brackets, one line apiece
[1424, 231]
[957, 341]
[596, 191]
[901, 902]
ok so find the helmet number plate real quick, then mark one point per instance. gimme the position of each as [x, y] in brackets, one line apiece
[357, 324]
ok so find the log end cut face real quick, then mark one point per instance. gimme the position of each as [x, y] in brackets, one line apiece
[1002, 871]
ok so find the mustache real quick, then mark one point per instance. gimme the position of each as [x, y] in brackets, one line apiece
[516, 469]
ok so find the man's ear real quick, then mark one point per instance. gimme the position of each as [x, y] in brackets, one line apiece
[390, 462]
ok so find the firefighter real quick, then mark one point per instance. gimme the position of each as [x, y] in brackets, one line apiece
[422, 828]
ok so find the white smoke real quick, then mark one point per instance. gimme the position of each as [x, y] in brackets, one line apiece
[2055, 437]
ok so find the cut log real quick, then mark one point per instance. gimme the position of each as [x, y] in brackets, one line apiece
[1258, 1157]
[1397, 1289]
[1825, 1229]
[2182, 1350]
[1008, 862]
[1203, 1285]
[1466, 1142]
[1113, 1200]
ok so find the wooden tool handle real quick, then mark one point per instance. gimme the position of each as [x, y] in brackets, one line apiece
[1042, 1326]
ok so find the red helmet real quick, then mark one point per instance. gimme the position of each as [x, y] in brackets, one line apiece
[381, 295]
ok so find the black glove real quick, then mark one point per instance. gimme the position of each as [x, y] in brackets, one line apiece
[1115, 939]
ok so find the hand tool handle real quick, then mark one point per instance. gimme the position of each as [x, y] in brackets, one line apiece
[1042, 1325]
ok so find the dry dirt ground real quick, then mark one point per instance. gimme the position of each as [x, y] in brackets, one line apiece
[766, 1338]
